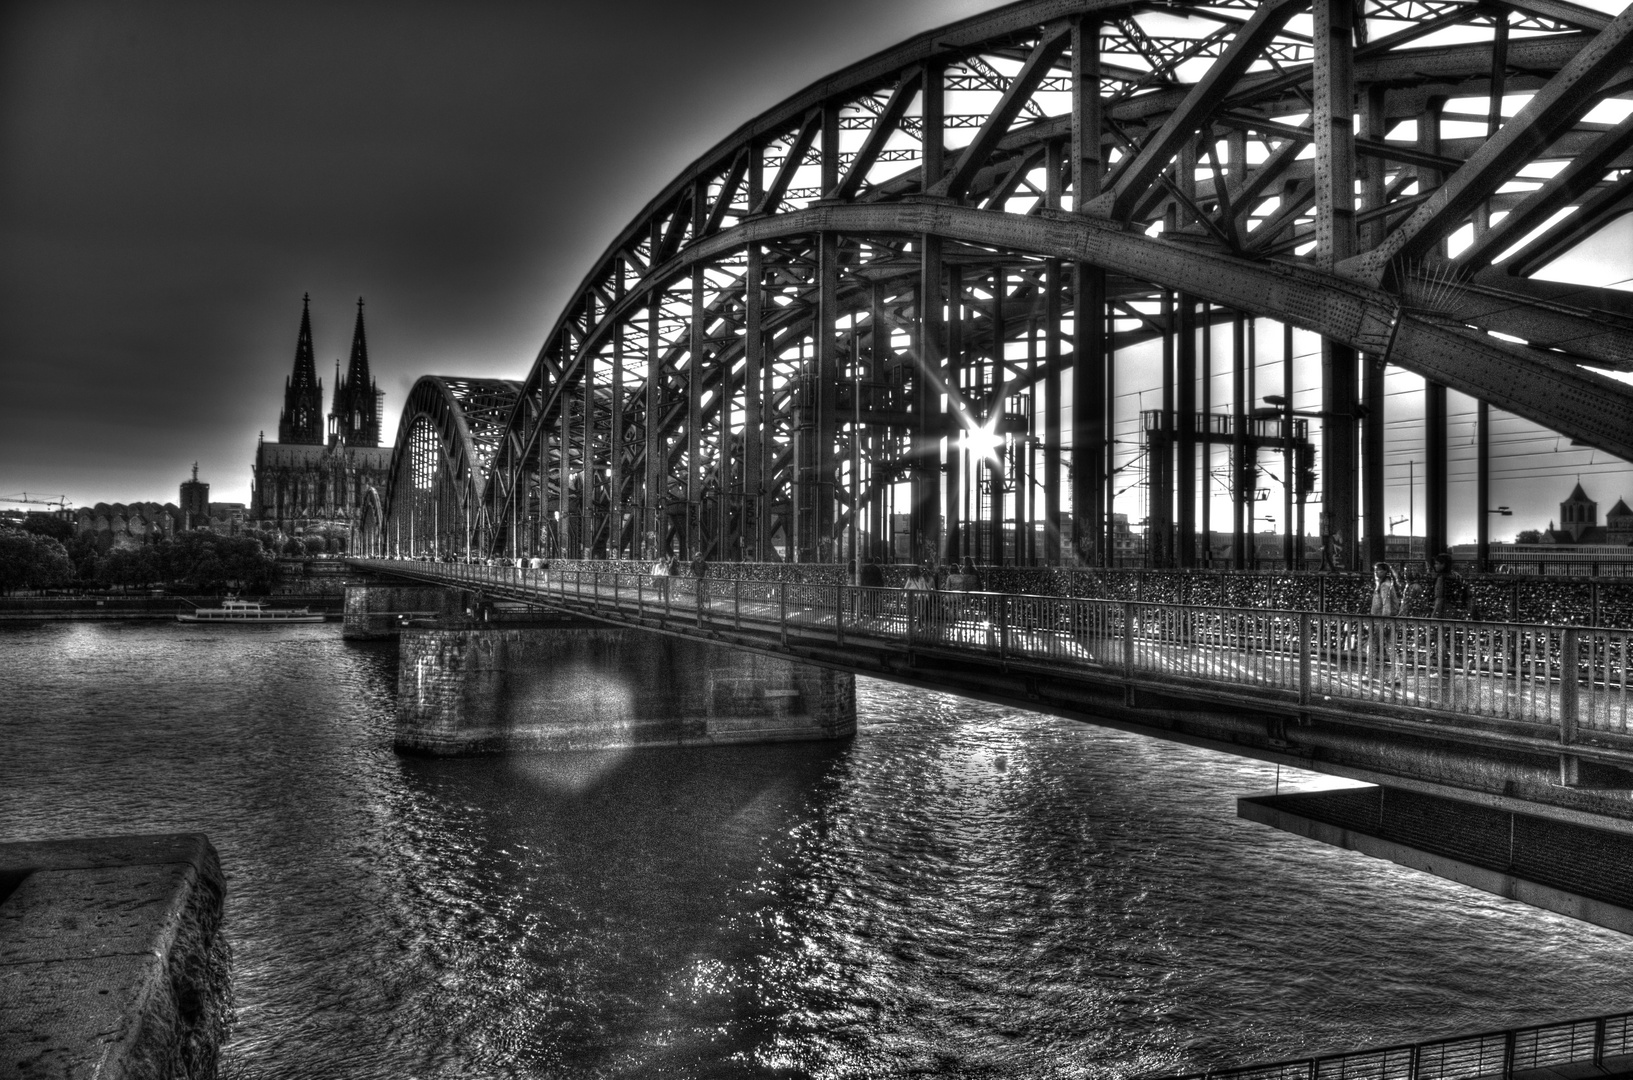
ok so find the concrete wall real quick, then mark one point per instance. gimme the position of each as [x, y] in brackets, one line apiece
[1575, 870]
[473, 691]
[111, 959]
[372, 610]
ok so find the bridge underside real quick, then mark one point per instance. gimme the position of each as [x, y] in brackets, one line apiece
[1423, 737]
[1005, 288]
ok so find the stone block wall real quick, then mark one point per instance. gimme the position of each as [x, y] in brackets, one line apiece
[474, 691]
[111, 958]
[372, 610]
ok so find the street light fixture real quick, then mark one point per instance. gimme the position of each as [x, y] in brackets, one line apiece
[1276, 405]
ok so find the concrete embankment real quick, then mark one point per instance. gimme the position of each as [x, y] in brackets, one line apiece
[120, 608]
[1562, 866]
[112, 960]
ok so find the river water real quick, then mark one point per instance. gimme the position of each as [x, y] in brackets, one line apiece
[962, 890]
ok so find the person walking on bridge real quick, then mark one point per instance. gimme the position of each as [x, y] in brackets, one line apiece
[700, 570]
[1452, 600]
[917, 594]
[1386, 606]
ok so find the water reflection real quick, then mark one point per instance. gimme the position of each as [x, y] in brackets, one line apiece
[962, 890]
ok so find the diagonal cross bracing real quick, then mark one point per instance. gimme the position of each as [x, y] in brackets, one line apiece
[1206, 96]
[1531, 383]
[1553, 109]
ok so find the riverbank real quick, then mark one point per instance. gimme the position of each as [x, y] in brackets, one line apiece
[112, 962]
[33, 609]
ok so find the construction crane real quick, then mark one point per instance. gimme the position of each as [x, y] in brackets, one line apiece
[59, 502]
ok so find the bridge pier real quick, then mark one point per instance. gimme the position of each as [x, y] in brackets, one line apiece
[375, 611]
[585, 686]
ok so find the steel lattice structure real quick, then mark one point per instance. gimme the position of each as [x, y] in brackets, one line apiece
[891, 313]
[440, 467]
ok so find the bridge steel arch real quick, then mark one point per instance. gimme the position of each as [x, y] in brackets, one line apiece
[434, 499]
[900, 312]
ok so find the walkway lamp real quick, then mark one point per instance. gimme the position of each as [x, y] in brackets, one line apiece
[1482, 556]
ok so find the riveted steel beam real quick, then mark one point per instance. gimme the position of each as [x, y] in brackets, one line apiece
[1571, 183]
[1539, 385]
[1189, 115]
[1554, 108]
[1039, 63]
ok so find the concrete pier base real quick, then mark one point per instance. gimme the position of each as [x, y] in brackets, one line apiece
[1571, 869]
[111, 960]
[377, 611]
[590, 687]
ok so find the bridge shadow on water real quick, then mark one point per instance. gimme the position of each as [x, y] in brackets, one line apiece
[963, 890]
[628, 900]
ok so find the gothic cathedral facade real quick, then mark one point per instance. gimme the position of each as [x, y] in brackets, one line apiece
[315, 479]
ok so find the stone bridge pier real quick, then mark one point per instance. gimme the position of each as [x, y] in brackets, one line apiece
[585, 686]
[377, 611]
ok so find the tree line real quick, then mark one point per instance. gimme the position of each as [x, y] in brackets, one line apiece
[47, 554]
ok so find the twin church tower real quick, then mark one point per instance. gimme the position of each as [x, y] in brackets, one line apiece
[314, 479]
[354, 415]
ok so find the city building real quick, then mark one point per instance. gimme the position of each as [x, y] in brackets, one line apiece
[195, 501]
[312, 479]
[1579, 523]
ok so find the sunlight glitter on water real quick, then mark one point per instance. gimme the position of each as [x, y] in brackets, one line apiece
[962, 890]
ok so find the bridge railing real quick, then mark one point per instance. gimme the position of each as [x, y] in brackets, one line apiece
[1571, 679]
[1596, 1046]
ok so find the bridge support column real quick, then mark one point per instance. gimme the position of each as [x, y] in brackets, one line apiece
[374, 611]
[583, 687]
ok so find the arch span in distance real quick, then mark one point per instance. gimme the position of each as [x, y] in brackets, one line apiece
[450, 430]
[893, 315]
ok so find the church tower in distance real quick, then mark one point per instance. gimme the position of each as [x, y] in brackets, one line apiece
[301, 421]
[354, 418]
[304, 484]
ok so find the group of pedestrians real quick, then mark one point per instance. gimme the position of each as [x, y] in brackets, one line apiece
[668, 566]
[1450, 598]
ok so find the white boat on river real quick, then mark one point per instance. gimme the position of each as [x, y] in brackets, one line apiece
[250, 613]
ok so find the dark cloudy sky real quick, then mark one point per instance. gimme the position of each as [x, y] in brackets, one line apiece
[173, 176]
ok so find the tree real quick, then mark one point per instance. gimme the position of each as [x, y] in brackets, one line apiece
[131, 567]
[28, 561]
[1528, 536]
[49, 525]
[83, 555]
[207, 562]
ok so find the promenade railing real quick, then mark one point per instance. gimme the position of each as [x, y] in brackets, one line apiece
[1571, 679]
[1595, 1046]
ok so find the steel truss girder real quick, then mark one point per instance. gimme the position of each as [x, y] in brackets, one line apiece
[470, 418]
[740, 192]
[1531, 383]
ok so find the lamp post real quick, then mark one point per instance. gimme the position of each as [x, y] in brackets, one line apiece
[1482, 556]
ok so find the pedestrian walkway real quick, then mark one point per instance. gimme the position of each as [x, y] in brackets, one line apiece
[1519, 677]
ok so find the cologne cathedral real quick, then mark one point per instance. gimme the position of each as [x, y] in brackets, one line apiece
[314, 479]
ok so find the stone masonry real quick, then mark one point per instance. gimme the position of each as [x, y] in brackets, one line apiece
[473, 691]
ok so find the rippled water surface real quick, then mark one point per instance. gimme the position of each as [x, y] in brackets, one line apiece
[963, 890]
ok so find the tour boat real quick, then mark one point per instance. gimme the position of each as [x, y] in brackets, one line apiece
[249, 611]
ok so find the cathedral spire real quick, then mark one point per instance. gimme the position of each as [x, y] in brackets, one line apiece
[302, 417]
[358, 405]
[357, 372]
[337, 408]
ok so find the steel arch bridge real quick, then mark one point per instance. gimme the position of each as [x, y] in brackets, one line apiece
[440, 467]
[940, 303]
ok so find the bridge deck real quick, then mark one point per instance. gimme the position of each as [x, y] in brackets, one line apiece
[1505, 682]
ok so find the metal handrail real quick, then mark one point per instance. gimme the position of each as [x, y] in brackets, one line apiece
[1570, 679]
[1603, 1042]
